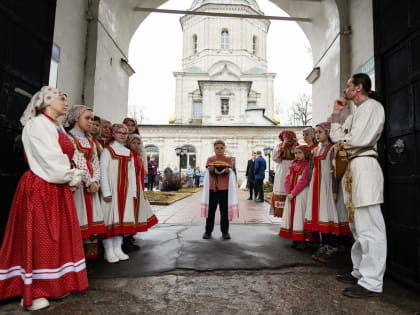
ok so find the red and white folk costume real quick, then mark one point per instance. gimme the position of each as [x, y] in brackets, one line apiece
[283, 155]
[42, 251]
[88, 204]
[143, 214]
[321, 212]
[296, 183]
[118, 180]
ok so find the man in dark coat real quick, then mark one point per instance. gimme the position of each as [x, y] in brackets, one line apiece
[250, 176]
[259, 172]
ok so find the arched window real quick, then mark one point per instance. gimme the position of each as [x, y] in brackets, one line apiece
[254, 45]
[225, 39]
[189, 158]
[152, 150]
[195, 44]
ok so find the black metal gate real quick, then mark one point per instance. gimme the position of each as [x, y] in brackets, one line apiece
[26, 35]
[397, 58]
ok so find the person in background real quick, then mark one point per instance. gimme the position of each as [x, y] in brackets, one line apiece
[189, 173]
[94, 132]
[152, 171]
[105, 138]
[167, 171]
[197, 175]
[250, 177]
[259, 174]
[283, 155]
[157, 179]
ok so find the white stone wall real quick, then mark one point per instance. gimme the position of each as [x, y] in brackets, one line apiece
[70, 35]
[240, 141]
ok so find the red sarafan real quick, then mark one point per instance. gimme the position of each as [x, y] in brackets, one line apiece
[42, 253]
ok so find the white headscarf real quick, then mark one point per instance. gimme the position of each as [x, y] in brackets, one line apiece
[44, 97]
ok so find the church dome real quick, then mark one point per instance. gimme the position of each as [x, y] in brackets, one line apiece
[250, 3]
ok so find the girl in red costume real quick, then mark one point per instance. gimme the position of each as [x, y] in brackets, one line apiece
[78, 122]
[296, 187]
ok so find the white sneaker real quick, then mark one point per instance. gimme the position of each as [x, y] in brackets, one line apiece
[37, 304]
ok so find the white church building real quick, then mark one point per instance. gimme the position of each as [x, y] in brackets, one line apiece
[224, 90]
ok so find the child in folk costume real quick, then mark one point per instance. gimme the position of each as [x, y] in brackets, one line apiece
[129, 244]
[296, 187]
[105, 137]
[144, 217]
[321, 212]
[132, 126]
[310, 138]
[42, 251]
[88, 205]
[219, 189]
[94, 132]
[119, 191]
[283, 155]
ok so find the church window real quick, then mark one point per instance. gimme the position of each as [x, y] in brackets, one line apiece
[225, 39]
[225, 106]
[152, 150]
[254, 45]
[197, 109]
[189, 158]
[195, 44]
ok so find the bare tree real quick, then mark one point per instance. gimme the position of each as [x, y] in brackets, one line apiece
[136, 112]
[301, 112]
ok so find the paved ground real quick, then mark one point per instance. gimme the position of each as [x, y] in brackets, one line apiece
[188, 211]
[177, 272]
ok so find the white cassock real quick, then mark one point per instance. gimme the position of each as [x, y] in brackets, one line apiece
[361, 130]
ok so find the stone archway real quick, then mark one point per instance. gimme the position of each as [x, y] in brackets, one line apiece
[109, 36]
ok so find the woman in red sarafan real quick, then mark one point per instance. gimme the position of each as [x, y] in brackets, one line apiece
[42, 252]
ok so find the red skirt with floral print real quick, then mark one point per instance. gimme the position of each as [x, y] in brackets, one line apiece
[42, 251]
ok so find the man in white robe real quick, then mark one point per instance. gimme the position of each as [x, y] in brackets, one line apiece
[360, 133]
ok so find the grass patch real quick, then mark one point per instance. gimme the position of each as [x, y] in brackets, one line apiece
[189, 190]
[267, 196]
[164, 197]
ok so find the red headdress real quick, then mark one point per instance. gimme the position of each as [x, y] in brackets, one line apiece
[306, 151]
[326, 126]
[127, 119]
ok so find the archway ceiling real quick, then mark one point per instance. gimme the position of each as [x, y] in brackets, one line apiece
[324, 27]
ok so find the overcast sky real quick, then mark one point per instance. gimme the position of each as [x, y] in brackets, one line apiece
[156, 51]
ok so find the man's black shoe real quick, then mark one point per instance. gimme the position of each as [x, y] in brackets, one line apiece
[346, 278]
[259, 200]
[206, 235]
[128, 245]
[250, 198]
[359, 292]
[226, 236]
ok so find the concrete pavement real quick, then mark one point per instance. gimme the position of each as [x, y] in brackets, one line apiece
[256, 272]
